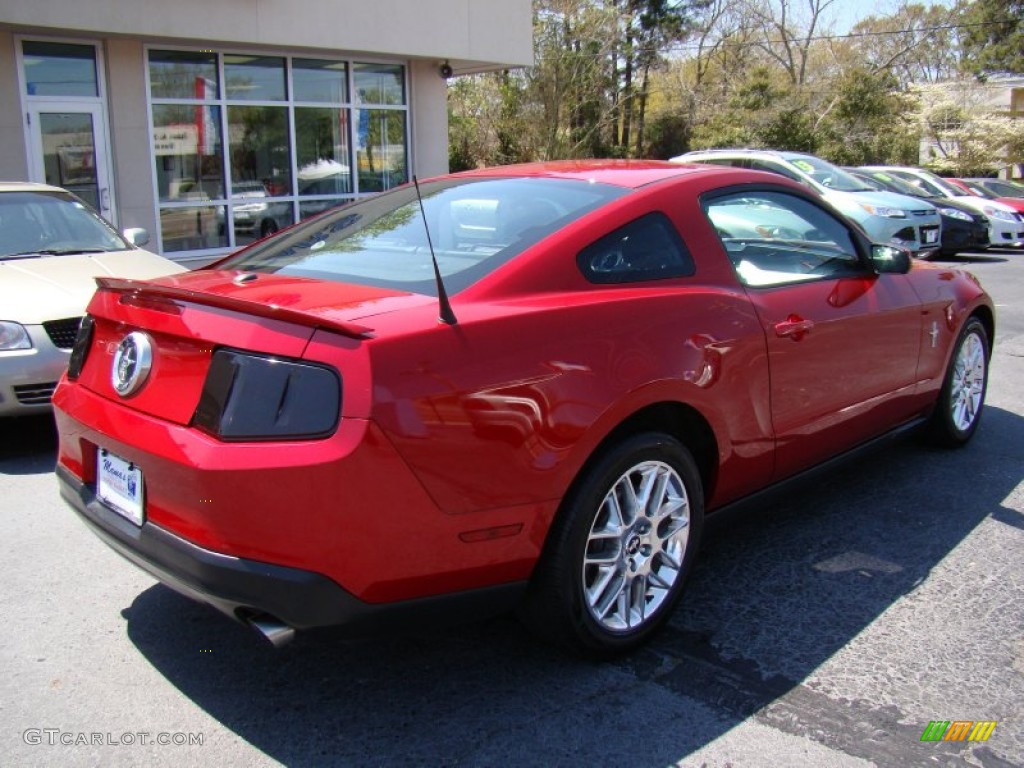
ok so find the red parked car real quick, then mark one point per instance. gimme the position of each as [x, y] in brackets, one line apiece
[536, 406]
[973, 187]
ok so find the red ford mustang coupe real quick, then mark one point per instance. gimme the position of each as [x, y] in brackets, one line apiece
[523, 386]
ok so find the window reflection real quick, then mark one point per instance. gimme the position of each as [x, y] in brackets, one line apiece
[380, 149]
[59, 69]
[322, 151]
[379, 83]
[316, 207]
[254, 78]
[187, 145]
[191, 228]
[257, 217]
[290, 152]
[319, 80]
[260, 147]
[69, 153]
[182, 75]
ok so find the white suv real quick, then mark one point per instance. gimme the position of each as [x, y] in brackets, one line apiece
[886, 216]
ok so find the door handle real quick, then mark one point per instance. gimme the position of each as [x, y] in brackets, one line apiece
[105, 199]
[794, 326]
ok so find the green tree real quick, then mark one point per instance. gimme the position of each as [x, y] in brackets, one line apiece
[870, 121]
[995, 37]
[915, 44]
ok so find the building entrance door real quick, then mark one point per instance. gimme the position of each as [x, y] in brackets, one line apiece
[69, 150]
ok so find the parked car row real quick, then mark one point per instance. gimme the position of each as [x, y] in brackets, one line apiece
[1006, 225]
[910, 207]
[963, 227]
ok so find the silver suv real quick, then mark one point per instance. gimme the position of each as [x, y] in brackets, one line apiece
[886, 216]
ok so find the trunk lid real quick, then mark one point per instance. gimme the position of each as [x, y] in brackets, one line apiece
[187, 318]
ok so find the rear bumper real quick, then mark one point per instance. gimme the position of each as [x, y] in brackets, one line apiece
[243, 588]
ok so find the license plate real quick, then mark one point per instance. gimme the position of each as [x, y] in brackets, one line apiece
[931, 236]
[119, 486]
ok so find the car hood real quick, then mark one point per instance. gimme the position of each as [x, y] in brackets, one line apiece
[954, 203]
[894, 200]
[34, 290]
[979, 204]
[316, 303]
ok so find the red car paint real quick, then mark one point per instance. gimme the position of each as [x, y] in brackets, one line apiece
[457, 443]
[1017, 203]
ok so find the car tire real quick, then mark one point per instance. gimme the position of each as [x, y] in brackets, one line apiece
[611, 571]
[962, 398]
[268, 227]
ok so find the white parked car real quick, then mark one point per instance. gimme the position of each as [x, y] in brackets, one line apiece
[1005, 225]
[52, 246]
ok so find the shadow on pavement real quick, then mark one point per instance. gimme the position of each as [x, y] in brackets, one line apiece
[28, 445]
[777, 593]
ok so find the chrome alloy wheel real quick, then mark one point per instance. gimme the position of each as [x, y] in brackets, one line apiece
[636, 546]
[968, 385]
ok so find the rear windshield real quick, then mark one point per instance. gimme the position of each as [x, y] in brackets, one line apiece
[475, 226]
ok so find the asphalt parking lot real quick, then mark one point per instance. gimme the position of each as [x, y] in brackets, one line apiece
[827, 629]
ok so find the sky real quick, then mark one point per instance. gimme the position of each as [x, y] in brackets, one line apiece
[846, 13]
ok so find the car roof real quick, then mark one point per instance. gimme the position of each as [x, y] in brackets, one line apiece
[738, 152]
[27, 186]
[631, 174]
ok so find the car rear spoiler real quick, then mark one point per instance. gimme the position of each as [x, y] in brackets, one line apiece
[143, 289]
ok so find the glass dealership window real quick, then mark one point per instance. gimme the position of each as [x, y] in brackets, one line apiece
[320, 80]
[254, 78]
[380, 83]
[187, 147]
[182, 75]
[380, 149]
[322, 151]
[260, 148]
[59, 69]
[282, 131]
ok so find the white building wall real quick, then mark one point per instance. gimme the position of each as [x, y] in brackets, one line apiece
[13, 155]
[468, 33]
[130, 135]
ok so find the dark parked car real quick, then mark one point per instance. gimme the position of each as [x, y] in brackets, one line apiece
[525, 388]
[963, 228]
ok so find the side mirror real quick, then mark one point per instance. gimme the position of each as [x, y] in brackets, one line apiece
[137, 236]
[891, 259]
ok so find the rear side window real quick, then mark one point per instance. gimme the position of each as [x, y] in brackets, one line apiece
[648, 248]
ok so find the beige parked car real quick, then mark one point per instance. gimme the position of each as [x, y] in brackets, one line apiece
[52, 245]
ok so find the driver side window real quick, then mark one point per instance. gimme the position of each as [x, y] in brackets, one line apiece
[774, 238]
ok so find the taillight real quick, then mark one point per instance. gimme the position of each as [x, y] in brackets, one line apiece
[256, 397]
[80, 350]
